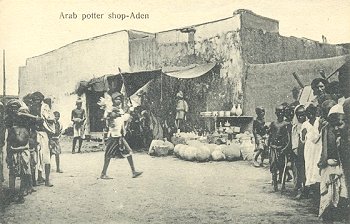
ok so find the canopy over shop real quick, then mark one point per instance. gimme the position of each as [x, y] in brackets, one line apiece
[125, 83]
[202, 86]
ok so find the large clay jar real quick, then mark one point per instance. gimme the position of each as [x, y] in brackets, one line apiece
[239, 110]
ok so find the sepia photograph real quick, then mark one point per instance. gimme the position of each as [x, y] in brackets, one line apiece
[175, 111]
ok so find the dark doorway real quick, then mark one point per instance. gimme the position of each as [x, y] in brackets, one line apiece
[95, 113]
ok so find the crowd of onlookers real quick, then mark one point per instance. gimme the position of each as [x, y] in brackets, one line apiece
[33, 137]
[309, 144]
[33, 132]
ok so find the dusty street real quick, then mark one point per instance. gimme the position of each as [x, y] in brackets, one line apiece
[169, 191]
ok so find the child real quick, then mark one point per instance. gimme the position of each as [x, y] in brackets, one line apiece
[312, 151]
[260, 135]
[278, 143]
[78, 117]
[55, 141]
[298, 151]
[289, 115]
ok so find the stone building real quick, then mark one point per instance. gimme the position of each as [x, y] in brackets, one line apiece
[240, 47]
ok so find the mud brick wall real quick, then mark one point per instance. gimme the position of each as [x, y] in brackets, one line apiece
[142, 54]
[269, 85]
[251, 20]
[218, 42]
[259, 47]
[225, 87]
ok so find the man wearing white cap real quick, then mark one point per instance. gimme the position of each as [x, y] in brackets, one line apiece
[333, 188]
[181, 111]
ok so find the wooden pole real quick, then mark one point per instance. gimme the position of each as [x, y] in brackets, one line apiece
[1, 147]
[125, 102]
[298, 80]
[4, 76]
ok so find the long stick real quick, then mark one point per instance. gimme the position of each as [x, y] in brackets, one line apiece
[298, 80]
[120, 73]
[4, 76]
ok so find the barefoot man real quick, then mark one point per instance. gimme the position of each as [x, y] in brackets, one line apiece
[116, 145]
[42, 110]
[18, 156]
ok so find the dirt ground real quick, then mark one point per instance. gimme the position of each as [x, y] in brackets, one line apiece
[169, 191]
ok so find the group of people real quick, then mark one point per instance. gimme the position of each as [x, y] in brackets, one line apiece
[33, 137]
[311, 141]
[33, 132]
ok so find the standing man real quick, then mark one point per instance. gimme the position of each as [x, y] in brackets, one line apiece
[116, 145]
[18, 156]
[78, 117]
[318, 87]
[345, 146]
[42, 110]
[181, 111]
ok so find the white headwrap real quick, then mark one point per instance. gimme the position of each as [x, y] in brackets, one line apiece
[336, 109]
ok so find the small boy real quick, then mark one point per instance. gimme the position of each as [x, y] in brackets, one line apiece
[278, 144]
[289, 116]
[55, 141]
[298, 152]
[78, 118]
[260, 135]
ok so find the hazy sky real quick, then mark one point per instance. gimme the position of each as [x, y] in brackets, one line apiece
[30, 28]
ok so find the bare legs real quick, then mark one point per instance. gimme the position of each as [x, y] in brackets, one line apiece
[58, 169]
[75, 139]
[129, 157]
[105, 167]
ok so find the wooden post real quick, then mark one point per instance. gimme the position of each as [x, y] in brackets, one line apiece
[1, 147]
[4, 77]
[298, 80]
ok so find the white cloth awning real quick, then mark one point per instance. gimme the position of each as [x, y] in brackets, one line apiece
[191, 72]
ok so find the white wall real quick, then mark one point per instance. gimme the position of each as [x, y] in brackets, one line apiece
[57, 73]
